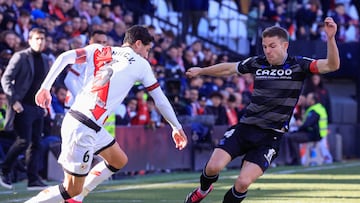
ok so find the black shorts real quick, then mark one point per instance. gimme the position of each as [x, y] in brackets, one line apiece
[260, 146]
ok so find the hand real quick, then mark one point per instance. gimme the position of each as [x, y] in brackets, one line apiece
[330, 27]
[193, 72]
[43, 98]
[18, 108]
[179, 138]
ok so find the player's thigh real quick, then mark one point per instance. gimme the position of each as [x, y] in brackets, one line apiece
[110, 150]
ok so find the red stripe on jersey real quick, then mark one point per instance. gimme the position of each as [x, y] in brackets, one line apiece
[152, 87]
[100, 59]
[313, 67]
[80, 55]
[74, 71]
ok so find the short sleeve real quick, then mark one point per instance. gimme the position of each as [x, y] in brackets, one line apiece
[245, 65]
[308, 64]
[148, 75]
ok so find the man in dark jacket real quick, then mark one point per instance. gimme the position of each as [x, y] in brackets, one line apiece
[21, 79]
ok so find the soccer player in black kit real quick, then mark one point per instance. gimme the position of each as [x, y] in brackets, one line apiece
[278, 80]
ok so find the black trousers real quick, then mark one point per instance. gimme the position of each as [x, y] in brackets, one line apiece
[28, 127]
[296, 138]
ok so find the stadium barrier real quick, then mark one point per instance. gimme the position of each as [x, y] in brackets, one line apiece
[154, 149]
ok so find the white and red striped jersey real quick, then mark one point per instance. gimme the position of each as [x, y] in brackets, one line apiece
[115, 69]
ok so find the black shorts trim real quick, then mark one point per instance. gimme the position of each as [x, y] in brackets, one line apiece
[75, 174]
[103, 148]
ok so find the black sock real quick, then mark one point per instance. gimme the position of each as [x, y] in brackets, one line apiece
[206, 181]
[233, 196]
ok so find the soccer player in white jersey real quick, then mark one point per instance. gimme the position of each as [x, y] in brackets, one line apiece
[116, 70]
[78, 74]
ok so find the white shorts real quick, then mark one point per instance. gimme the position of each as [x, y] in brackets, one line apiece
[79, 143]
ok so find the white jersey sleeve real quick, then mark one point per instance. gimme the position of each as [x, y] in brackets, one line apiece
[75, 78]
[75, 56]
[165, 108]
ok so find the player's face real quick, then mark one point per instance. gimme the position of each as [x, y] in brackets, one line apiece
[142, 50]
[99, 39]
[275, 50]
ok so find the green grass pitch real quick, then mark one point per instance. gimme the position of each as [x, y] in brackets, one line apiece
[339, 182]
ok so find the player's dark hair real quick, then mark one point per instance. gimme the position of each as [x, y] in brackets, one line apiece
[36, 31]
[97, 32]
[276, 31]
[138, 32]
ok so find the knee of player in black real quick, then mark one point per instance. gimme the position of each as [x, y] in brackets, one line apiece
[206, 181]
[233, 196]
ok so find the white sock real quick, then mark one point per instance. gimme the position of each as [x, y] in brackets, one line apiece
[51, 194]
[97, 175]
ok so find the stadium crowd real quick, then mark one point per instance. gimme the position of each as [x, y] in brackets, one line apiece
[69, 24]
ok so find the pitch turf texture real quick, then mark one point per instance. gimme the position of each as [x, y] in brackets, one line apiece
[339, 182]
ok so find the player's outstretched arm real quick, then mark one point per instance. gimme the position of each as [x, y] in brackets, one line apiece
[332, 61]
[166, 110]
[221, 69]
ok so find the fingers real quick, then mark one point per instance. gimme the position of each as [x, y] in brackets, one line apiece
[189, 74]
[329, 22]
[180, 140]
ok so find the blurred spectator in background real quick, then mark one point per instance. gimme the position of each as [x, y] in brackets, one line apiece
[139, 8]
[199, 56]
[84, 8]
[142, 116]
[156, 120]
[118, 33]
[23, 26]
[8, 41]
[217, 109]
[84, 26]
[316, 84]
[189, 59]
[313, 129]
[348, 30]
[38, 18]
[210, 58]
[232, 110]
[193, 108]
[192, 12]
[307, 19]
[126, 111]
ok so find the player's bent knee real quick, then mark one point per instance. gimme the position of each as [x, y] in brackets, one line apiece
[120, 163]
[242, 183]
[212, 168]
